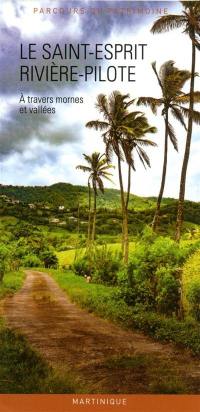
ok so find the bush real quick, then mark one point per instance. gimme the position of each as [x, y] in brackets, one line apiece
[81, 266]
[32, 261]
[153, 273]
[12, 281]
[50, 259]
[194, 298]
[5, 260]
[99, 262]
[106, 265]
[135, 292]
[168, 296]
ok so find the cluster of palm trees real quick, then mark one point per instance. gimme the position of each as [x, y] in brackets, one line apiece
[97, 166]
[189, 20]
[124, 132]
[171, 81]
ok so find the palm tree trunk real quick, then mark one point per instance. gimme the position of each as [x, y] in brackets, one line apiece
[94, 217]
[122, 201]
[164, 171]
[180, 211]
[78, 230]
[89, 213]
[126, 239]
[78, 217]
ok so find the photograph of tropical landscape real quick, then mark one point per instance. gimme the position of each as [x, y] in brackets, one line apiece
[100, 198]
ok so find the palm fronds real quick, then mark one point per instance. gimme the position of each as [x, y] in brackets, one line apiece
[97, 125]
[151, 102]
[185, 98]
[169, 22]
[194, 113]
[172, 136]
[176, 112]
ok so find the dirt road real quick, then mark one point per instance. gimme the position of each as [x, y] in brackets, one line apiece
[102, 356]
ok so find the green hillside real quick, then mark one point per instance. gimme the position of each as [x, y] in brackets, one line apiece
[68, 195]
[43, 205]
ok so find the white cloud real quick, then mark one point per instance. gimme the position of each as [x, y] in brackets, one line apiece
[21, 16]
[24, 168]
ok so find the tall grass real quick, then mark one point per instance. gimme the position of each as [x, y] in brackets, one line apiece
[11, 283]
[105, 302]
[66, 258]
[22, 370]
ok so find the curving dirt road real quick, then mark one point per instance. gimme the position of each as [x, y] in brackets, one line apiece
[102, 357]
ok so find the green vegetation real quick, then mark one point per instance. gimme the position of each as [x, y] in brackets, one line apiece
[11, 283]
[22, 370]
[61, 226]
[105, 301]
[194, 298]
[191, 285]
[148, 281]
[146, 291]
[66, 258]
[100, 262]
[163, 376]
[4, 260]
[153, 277]
[23, 244]
[67, 195]
[147, 296]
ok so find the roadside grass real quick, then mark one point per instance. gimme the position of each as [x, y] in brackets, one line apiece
[160, 376]
[11, 283]
[105, 302]
[22, 370]
[66, 258]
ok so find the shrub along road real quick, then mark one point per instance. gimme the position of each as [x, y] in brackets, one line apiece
[101, 356]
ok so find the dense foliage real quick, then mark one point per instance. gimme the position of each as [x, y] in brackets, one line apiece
[104, 301]
[23, 244]
[153, 278]
[99, 262]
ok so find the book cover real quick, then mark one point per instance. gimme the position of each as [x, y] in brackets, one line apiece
[99, 205]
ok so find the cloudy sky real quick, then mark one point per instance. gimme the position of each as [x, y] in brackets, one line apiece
[42, 149]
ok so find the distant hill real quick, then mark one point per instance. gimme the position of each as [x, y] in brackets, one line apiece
[47, 200]
[68, 195]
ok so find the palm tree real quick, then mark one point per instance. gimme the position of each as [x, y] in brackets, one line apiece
[131, 144]
[118, 127]
[171, 81]
[189, 20]
[97, 168]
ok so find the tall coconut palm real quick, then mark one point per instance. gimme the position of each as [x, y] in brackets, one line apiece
[117, 126]
[189, 20]
[97, 168]
[171, 81]
[132, 144]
